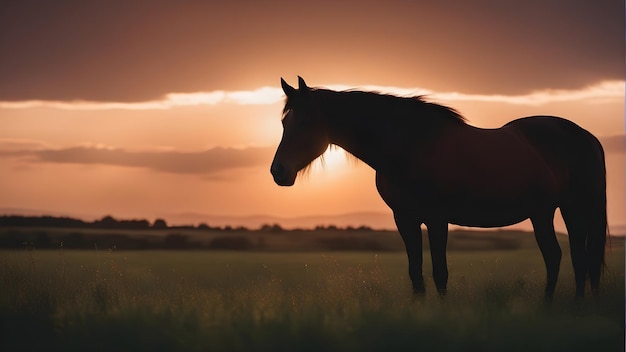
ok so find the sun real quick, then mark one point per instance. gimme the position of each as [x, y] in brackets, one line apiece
[333, 158]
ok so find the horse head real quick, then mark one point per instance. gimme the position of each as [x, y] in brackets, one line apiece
[305, 135]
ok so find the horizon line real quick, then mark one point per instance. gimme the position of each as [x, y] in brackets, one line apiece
[3, 213]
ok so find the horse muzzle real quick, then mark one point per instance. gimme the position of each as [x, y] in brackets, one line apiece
[281, 175]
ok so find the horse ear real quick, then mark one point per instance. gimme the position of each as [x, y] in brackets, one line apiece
[302, 85]
[289, 90]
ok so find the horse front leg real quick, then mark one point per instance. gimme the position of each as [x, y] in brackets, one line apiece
[438, 238]
[411, 233]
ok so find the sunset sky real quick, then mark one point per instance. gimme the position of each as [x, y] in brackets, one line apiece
[146, 109]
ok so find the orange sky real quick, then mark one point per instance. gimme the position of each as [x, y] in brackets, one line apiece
[172, 109]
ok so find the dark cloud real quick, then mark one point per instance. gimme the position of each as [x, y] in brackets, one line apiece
[138, 50]
[203, 162]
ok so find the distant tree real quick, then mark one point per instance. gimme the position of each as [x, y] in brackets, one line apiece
[159, 224]
[40, 221]
[134, 224]
[326, 228]
[182, 227]
[271, 228]
[107, 222]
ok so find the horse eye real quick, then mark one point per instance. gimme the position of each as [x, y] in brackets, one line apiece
[296, 122]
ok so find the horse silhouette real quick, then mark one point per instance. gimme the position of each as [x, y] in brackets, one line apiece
[433, 168]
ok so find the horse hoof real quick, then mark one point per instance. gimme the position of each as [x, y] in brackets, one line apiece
[419, 292]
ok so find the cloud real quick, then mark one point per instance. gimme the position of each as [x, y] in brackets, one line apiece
[600, 92]
[17, 144]
[202, 162]
[205, 162]
[261, 96]
[127, 51]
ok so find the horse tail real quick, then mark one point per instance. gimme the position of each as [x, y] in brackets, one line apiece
[584, 211]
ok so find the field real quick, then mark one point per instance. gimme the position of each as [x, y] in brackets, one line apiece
[103, 300]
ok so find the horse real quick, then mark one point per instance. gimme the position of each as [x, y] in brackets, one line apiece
[433, 168]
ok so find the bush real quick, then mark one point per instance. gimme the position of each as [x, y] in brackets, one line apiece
[231, 243]
[176, 241]
[347, 243]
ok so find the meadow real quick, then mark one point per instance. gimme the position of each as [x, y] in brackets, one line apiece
[105, 300]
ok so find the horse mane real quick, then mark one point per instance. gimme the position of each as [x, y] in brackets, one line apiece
[409, 112]
[409, 107]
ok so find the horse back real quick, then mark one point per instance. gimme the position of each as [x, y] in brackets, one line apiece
[528, 163]
[523, 156]
[558, 140]
[564, 144]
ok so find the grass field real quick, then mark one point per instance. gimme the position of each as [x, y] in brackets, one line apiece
[259, 301]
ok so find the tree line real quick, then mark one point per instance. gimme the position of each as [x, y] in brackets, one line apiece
[109, 222]
[48, 232]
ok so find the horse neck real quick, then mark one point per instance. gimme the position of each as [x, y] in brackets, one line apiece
[369, 131]
[369, 138]
[369, 150]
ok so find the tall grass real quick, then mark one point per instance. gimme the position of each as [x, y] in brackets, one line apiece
[236, 301]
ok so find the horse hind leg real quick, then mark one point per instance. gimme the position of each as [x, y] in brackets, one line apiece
[438, 238]
[551, 251]
[596, 242]
[577, 233]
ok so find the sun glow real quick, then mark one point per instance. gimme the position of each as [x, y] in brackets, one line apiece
[333, 159]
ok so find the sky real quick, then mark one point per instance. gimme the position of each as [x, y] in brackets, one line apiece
[146, 109]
